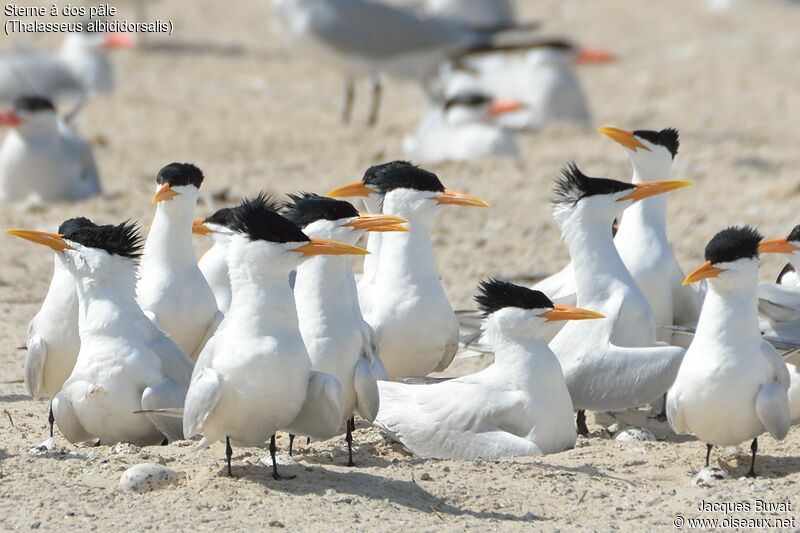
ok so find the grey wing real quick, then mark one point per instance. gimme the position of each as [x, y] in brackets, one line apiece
[322, 413]
[777, 364]
[45, 75]
[201, 400]
[68, 422]
[165, 395]
[175, 364]
[674, 413]
[367, 395]
[772, 408]
[34, 364]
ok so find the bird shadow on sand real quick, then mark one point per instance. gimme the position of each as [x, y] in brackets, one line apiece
[207, 48]
[10, 398]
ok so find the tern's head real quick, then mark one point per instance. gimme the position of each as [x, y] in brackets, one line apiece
[216, 226]
[563, 53]
[178, 186]
[731, 259]
[264, 239]
[410, 191]
[523, 311]
[89, 250]
[95, 41]
[30, 114]
[328, 218]
[472, 107]
[651, 152]
[600, 199]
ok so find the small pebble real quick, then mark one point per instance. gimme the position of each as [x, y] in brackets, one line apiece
[275, 523]
[146, 477]
[425, 476]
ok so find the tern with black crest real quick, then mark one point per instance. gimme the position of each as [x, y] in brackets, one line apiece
[214, 263]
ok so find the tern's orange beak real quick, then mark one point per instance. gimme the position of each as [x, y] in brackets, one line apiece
[449, 197]
[566, 312]
[164, 194]
[325, 247]
[350, 190]
[501, 107]
[652, 188]
[593, 56]
[625, 138]
[777, 246]
[9, 118]
[53, 241]
[200, 228]
[704, 271]
[117, 40]
[378, 222]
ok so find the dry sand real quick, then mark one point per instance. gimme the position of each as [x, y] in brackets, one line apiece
[228, 94]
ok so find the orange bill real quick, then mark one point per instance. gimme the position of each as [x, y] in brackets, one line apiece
[118, 40]
[449, 197]
[777, 246]
[652, 188]
[501, 107]
[704, 271]
[567, 312]
[378, 222]
[326, 247]
[594, 56]
[9, 118]
[53, 241]
[200, 228]
[624, 137]
[357, 189]
[164, 194]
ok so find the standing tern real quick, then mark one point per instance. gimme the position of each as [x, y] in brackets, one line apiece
[214, 263]
[42, 158]
[80, 69]
[125, 363]
[463, 127]
[613, 363]
[413, 320]
[171, 289]
[327, 308]
[254, 376]
[731, 386]
[519, 405]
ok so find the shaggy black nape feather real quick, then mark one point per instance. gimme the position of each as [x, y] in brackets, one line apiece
[668, 138]
[558, 44]
[221, 217]
[178, 174]
[32, 104]
[735, 242]
[573, 185]
[123, 239]
[467, 99]
[306, 208]
[73, 224]
[256, 219]
[401, 175]
[494, 295]
[794, 236]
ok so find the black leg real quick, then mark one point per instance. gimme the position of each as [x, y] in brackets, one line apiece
[51, 419]
[754, 449]
[228, 454]
[291, 444]
[308, 441]
[272, 449]
[708, 453]
[349, 97]
[662, 416]
[165, 441]
[351, 426]
[375, 100]
[583, 430]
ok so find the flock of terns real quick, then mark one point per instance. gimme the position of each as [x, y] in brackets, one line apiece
[271, 330]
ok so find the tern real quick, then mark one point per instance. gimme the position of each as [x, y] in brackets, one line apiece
[327, 307]
[613, 363]
[214, 263]
[461, 128]
[81, 68]
[125, 363]
[519, 405]
[42, 158]
[731, 386]
[171, 289]
[254, 376]
[413, 320]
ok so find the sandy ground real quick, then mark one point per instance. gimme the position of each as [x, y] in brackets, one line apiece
[234, 98]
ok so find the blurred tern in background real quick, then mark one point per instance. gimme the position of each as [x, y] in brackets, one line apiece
[214, 263]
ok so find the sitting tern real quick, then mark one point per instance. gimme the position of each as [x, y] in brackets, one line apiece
[413, 320]
[42, 158]
[254, 376]
[461, 128]
[171, 289]
[613, 363]
[214, 263]
[125, 363]
[327, 308]
[519, 405]
[731, 386]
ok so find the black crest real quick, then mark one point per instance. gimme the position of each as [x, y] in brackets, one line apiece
[306, 208]
[494, 295]
[221, 217]
[558, 44]
[32, 104]
[256, 218]
[401, 175]
[794, 236]
[668, 138]
[123, 239]
[733, 243]
[177, 174]
[468, 100]
[573, 185]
